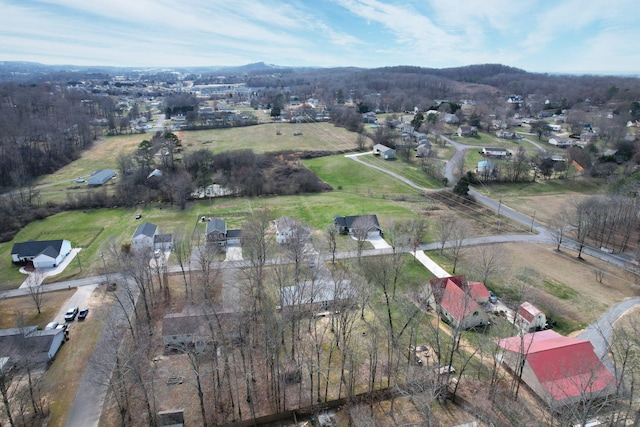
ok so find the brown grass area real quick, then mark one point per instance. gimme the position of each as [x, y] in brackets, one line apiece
[13, 308]
[589, 299]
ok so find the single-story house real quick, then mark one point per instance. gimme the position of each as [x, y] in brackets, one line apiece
[495, 152]
[485, 168]
[30, 344]
[453, 299]
[451, 119]
[351, 224]
[561, 142]
[101, 177]
[560, 370]
[180, 330]
[530, 318]
[384, 151]
[195, 328]
[424, 149]
[217, 232]
[164, 242]
[467, 131]
[505, 134]
[42, 253]
[369, 117]
[317, 296]
[144, 236]
[588, 137]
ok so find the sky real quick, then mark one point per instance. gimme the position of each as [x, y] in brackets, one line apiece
[559, 36]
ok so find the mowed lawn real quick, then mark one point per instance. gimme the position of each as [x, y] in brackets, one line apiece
[357, 189]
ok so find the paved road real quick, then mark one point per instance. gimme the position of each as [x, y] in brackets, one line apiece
[87, 405]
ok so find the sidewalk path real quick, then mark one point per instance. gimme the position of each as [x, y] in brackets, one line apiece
[36, 277]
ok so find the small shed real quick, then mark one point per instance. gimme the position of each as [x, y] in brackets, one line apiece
[530, 318]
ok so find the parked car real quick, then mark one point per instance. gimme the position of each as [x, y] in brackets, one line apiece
[63, 327]
[157, 253]
[71, 314]
[82, 314]
[492, 298]
[51, 325]
[138, 216]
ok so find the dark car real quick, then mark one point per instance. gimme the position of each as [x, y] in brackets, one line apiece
[82, 314]
[71, 314]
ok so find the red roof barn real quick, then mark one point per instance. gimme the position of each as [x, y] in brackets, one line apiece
[559, 369]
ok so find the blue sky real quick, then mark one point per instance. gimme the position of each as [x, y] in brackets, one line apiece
[561, 36]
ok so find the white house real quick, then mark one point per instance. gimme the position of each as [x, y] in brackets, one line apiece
[42, 253]
[144, 236]
[286, 229]
[384, 151]
[530, 318]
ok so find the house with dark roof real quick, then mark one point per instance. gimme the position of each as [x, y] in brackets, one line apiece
[194, 327]
[216, 232]
[530, 318]
[42, 253]
[164, 242]
[458, 301]
[317, 296]
[560, 370]
[352, 224]
[144, 236]
[30, 344]
[467, 131]
[101, 177]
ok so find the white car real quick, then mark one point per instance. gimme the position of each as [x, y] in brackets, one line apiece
[51, 325]
[157, 253]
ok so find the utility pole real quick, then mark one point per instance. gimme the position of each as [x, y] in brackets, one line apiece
[533, 220]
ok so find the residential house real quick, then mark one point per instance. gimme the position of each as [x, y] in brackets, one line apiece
[560, 370]
[423, 150]
[588, 137]
[467, 131]
[30, 344]
[317, 296]
[353, 224]
[194, 328]
[101, 177]
[217, 232]
[506, 134]
[369, 117]
[182, 330]
[453, 299]
[164, 242]
[560, 142]
[384, 151]
[451, 119]
[485, 168]
[144, 236]
[288, 228]
[530, 318]
[495, 152]
[41, 253]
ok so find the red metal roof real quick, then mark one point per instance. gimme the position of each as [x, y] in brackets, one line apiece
[564, 366]
[528, 311]
[478, 290]
[452, 298]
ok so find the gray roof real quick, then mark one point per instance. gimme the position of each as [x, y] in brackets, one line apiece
[320, 291]
[101, 176]
[33, 248]
[348, 221]
[217, 224]
[147, 229]
[163, 238]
